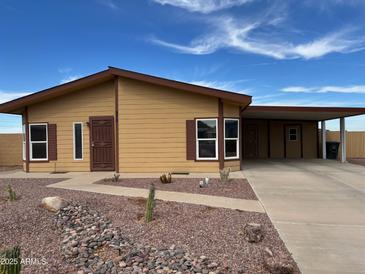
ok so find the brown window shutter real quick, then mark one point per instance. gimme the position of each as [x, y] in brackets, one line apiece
[52, 142]
[190, 140]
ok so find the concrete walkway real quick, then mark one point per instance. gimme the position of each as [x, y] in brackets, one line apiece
[84, 181]
[318, 207]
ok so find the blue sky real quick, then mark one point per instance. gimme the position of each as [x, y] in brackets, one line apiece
[306, 52]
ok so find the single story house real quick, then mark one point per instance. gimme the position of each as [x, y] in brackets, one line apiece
[124, 121]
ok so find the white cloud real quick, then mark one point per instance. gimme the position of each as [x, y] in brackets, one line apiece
[249, 37]
[360, 89]
[6, 96]
[69, 79]
[203, 6]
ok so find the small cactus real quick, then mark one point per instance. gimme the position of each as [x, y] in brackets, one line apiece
[166, 179]
[224, 174]
[150, 204]
[10, 262]
[11, 193]
[115, 177]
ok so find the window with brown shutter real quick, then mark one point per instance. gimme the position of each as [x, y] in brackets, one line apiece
[190, 140]
[52, 142]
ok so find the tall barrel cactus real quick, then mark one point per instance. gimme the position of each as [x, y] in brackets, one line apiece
[10, 262]
[150, 204]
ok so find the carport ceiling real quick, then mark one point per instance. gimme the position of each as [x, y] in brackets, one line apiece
[300, 113]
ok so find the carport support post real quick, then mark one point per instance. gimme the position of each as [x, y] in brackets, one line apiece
[343, 139]
[323, 130]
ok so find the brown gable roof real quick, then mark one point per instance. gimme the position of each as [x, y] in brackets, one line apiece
[16, 106]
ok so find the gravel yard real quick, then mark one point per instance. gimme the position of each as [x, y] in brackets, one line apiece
[234, 188]
[215, 233]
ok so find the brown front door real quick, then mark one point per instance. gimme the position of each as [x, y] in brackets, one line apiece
[250, 141]
[293, 141]
[102, 143]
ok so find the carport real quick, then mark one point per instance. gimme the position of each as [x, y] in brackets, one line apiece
[280, 132]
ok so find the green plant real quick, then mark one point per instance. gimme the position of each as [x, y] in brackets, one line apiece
[150, 204]
[11, 193]
[10, 262]
[115, 177]
[224, 174]
[166, 179]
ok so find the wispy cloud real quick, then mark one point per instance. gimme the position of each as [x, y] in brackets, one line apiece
[64, 70]
[6, 96]
[203, 6]
[360, 89]
[224, 85]
[248, 37]
[109, 3]
[69, 79]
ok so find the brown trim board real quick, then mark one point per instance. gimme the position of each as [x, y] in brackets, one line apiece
[220, 134]
[116, 119]
[27, 154]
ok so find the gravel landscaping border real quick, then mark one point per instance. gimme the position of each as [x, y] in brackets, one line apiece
[234, 188]
[215, 233]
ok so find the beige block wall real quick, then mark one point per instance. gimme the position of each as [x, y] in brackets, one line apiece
[77, 106]
[355, 143]
[11, 150]
[152, 131]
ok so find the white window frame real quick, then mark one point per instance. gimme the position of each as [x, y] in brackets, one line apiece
[206, 139]
[237, 139]
[296, 134]
[37, 142]
[74, 141]
[24, 142]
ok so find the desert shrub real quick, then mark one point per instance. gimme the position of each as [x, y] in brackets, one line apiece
[10, 262]
[166, 179]
[224, 174]
[115, 177]
[150, 204]
[11, 193]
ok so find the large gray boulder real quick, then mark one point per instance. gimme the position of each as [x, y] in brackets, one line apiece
[54, 204]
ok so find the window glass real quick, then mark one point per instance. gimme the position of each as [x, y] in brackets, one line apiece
[39, 150]
[207, 139]
[78, 140]
[207, 129]
[38, 142]
[231, 138]
[38, 133]
[292, 134]
[231, 148]
[231, 128]
[207, 149]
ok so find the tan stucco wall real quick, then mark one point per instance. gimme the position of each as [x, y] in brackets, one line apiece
[64, 111]
[277, 137]
[152, 131]
[11, 150]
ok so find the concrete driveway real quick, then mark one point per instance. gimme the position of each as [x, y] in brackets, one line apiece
[318, 207]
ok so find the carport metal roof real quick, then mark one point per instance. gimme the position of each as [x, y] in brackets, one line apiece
[300, 113]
